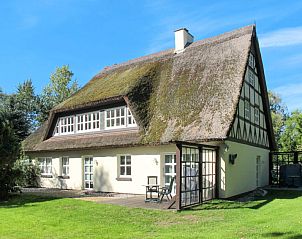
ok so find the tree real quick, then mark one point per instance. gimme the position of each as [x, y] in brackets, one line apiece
[9, 150]
[291, 139]
[61, 87]
[26, 102]
[279, 115]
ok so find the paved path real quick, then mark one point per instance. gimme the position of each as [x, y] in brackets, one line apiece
[122, 199]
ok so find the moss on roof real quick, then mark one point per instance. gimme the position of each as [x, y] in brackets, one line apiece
[190, 96]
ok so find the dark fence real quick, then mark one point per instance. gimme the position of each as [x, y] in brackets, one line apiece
[279, 160]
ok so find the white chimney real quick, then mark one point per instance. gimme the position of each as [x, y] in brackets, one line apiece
[182, 39]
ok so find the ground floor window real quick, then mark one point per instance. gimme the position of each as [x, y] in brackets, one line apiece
[88, 172]
[45, 165]
[65, 166]
[125, 165]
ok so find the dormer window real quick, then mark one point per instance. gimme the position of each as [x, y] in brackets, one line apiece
[120, 117]
[113, 118]
[66, 125]
[88, 122]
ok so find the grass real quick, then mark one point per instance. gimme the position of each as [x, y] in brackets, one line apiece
[278, 215]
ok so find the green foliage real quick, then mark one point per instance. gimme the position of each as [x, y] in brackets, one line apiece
[9, 142]
[29, 172]
[291, 139]
[61, 87]
[26, 102]
[9, 149]
[279, 115]
[8, 180]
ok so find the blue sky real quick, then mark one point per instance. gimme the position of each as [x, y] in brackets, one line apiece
[37, 36]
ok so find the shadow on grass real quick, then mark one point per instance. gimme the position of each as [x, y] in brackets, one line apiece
[22, 200]
[288, 235]
[256, 203]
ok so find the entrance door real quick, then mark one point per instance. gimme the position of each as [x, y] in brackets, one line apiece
[170, 171]
[88, 172]
[258, 171]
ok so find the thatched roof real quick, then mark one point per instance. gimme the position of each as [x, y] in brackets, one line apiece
[190, 96]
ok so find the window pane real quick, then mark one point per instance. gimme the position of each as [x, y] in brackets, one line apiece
[122, 121]
[118, 122]
[122, 160]
[128, 157]
[128, 170]
[123, 112]
[122, 170]
[168, 158]
[168, 169]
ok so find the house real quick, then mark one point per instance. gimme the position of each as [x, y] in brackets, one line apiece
[199, 111]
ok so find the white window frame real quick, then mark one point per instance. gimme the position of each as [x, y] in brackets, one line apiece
[90, 173]
[67, 123]
[114, 118]
[56, 131]
[115, 115]
[251, 78]
[130, 119]
[45, 165]
[124, 165]
[87, 121]
[65, 166]
[252, 63]
[257, 115]
[247, 110]
[171, 174]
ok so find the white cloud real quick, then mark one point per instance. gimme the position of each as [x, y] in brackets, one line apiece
[282, 37]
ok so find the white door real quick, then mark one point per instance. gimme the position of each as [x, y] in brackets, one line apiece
[88, 172]
[170, 171]
[258, 171]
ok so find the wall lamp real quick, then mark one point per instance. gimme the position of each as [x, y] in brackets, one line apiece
[232, 158]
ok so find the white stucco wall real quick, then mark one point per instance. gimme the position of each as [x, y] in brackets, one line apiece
[240, 177]
[149, 161]
[145, 161]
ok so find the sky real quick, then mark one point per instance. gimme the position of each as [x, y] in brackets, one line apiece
[39, 35]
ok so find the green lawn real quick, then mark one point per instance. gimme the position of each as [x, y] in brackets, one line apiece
[279, 215]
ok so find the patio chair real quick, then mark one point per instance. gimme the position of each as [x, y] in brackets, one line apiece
[166, 191]
[152, 187]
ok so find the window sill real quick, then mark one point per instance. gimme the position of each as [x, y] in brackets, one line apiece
[64, 177]
[46, 176]
[123, 179]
